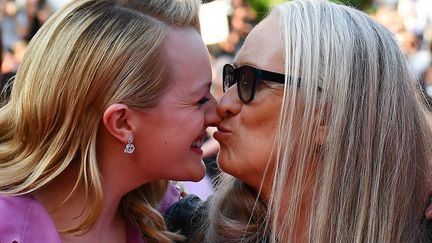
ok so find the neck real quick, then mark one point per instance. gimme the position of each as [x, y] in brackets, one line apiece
[70, 213]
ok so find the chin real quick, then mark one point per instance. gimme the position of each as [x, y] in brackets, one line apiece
[198, 174]
[197, 177]
[223, 163]
[193, 173]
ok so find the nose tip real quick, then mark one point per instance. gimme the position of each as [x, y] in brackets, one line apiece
[212, 117]
[229, 103]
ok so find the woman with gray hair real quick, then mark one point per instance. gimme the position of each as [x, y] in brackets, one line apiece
[324, 134]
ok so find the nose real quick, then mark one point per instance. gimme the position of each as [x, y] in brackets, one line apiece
[229, 104]
[211, 118]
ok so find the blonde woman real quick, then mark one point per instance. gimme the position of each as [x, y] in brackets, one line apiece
[324, 133]
[112, 99]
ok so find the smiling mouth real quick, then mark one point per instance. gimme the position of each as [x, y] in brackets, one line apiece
[198, 143]
[196, 146]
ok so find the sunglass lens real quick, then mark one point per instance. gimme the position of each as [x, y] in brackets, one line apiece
[246, 83]
[228, 77]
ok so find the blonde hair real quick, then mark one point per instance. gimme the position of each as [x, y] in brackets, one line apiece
[87, 56]
[368, 181]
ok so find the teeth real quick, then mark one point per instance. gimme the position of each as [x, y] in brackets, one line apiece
[198, 143]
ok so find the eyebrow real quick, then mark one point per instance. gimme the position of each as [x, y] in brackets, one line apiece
[237, 64]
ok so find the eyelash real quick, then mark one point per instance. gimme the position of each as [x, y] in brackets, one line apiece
[203, 101]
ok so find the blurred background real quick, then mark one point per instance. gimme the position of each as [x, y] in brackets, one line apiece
[225, 24]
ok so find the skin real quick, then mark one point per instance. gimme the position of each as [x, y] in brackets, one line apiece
[247, 131]
[163, 138]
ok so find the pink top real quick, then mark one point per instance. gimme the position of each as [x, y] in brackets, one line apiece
[23, 219]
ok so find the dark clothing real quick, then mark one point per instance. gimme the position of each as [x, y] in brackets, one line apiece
[188, 215]
[183, 216]
[6, 85]
[427, 232]
[426, 226]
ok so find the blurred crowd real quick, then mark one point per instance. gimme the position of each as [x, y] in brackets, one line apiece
[409, 20]
[411, 23]
[19, 22]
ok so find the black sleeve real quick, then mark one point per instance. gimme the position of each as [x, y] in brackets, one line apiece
[426, 226]
[178, 217]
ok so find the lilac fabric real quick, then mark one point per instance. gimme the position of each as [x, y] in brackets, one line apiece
[23, 219]
[171, 196]
[202, 189]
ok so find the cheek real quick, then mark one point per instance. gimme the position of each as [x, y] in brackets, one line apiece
[263, 115]
[169, 140]
[247, 165]
[250, 149]
[186, 128]
[246, 155]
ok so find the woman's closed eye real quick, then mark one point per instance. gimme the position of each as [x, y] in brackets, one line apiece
[203, 100]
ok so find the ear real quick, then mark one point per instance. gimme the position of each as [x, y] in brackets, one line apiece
[116, 122]
[321, 134]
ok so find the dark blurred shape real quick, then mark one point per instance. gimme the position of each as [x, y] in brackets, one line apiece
[37, 12]
[5, 78]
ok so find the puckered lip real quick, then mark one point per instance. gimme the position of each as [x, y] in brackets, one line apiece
[223, 129]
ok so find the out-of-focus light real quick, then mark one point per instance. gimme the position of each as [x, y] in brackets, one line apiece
[214, 21]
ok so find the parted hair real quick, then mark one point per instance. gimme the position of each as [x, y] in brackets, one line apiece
[87, 56]
[368, 180]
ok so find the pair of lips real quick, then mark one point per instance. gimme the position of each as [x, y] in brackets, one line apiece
[222, 129]
[221, 133]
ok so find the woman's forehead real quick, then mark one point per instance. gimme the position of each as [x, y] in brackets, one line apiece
[263, 47]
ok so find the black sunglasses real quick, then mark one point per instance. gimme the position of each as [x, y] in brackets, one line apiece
[246, 78]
